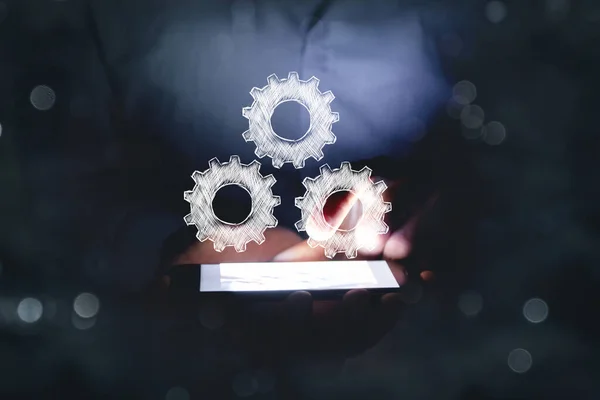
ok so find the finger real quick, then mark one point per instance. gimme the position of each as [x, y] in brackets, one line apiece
[298, 308]
[296, 321]
[375, 244]
[356, 304]
[400, 243]
[364, 322]
[301, 252]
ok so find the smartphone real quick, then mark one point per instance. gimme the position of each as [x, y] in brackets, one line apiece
[323, 279]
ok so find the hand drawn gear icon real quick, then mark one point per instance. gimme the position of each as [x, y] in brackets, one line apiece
[222, 233]
[358, 183]
[282, 150]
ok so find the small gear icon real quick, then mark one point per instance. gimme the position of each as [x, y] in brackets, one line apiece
[222, 233]
[370, 224]
[282, 150]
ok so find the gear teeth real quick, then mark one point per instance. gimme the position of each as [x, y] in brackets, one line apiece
[276, 201]
[330, 138]
[273, 80]
[308, 182]
[388, 207]
[328, 96]
[300, 226]
[219, 247]
[245, 175]
[383, 228]
[261, 132]
[277, 163]
[380, 187]
[318, 155]
[330, 253]
[293, 76]
[201, 236]
[196, 175]
[240, 247]
[314, 81]
[366, 173]
[260, 153]
[312, 243]
[270, 180]
[255, 165]
[325, 169]
[255, 92]
[214, 163]
[261, 238]
[298, 163]
[344, 178]
[351, 253]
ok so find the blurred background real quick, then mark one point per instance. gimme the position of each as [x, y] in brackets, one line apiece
[519, 316]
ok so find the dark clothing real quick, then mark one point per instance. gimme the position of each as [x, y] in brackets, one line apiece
[148, 92]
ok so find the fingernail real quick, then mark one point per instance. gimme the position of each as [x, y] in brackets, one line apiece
[299, 303]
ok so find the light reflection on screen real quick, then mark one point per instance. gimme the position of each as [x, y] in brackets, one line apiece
[296, 276]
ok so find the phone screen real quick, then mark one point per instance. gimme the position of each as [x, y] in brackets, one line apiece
[293, 276]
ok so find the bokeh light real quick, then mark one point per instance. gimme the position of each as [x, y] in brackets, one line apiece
[86, 305]
[30, 310]
[472, 116]
[265, 380]
[177, 393]
[535, 310]
[42, 98]
[495, 11]
[454, 109]
[470, 303]
[494, 133]
[520, 360]
[82, 323]
[464, 92]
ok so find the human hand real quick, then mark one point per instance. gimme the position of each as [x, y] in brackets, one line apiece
[343, 211]
[297, 326]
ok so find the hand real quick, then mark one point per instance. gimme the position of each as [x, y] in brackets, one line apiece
[342, 211]
[298, 326]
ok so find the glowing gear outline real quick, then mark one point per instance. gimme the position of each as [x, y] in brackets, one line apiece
[370, 224]
[223, 233]
[279, 91]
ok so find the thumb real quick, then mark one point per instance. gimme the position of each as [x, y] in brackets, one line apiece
[341, 211]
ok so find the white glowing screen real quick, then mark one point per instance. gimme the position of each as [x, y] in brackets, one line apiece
[272, 276]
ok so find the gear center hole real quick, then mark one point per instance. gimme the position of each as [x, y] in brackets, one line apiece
[232, 204]
[342, 210]
[290, 120]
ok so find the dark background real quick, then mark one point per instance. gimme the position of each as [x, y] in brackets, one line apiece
[529, 203]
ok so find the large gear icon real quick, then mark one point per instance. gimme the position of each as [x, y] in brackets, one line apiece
[368, 227]
[282, 150]
[222, 233]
